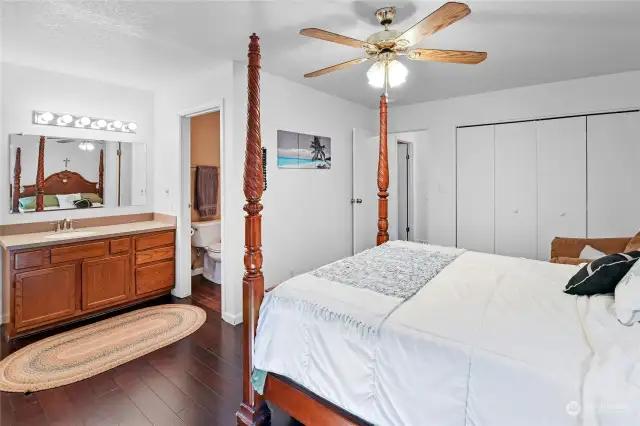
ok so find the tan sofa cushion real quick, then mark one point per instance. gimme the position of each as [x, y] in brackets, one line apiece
[634, 244]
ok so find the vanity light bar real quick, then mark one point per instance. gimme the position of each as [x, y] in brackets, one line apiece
[83, 122]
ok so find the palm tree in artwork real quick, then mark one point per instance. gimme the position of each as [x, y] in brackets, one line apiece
[318, 149]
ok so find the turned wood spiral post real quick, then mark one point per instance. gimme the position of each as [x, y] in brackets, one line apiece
[253, 409]
[101, 175]
[17, 171]
[383, 176]
[40, 177]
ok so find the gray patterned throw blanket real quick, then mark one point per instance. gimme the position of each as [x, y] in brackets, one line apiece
[351, 297]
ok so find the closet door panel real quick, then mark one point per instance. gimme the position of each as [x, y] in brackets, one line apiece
[516, 190]
[562, 181]
[475, 181]
[613, 155]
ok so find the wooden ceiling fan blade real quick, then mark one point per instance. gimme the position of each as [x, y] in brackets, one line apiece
[336, 67]
[334, 38]
[448, 14]
[452, 56]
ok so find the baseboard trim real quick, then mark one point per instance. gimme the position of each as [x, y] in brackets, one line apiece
[197, 271]
[233, 319]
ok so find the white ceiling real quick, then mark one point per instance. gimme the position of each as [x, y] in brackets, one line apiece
[138, 42]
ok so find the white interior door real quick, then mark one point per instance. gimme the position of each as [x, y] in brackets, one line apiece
[613, 146]
[562, 181]
[365, 189]
[403, 191]
[516, 190]
[475, 188]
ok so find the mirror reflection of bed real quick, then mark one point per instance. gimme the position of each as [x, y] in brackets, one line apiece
[62, 173]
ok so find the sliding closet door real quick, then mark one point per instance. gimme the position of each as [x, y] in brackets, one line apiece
[516, 190]
[613, 146]
[562, 181]
[475, 203]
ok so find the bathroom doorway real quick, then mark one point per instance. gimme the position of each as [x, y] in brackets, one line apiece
[200, 220]
[206, 210]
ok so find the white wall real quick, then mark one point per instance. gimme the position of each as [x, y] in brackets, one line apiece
[26, 89]
[188, 93]
[307, 213]
[437, 211]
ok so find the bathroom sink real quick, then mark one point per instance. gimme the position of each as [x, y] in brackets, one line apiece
[69, 235]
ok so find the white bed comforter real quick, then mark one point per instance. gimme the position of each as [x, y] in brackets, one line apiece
[489, 341]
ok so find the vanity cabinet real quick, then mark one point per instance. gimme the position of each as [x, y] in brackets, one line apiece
[54, 285]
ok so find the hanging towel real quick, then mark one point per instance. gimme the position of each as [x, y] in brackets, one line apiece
[206, 196]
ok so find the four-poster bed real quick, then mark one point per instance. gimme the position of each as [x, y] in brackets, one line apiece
[413, 334]
[60, 183]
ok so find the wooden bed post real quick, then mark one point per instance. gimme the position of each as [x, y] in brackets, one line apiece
[17, 170]
[101, 175]
[40, 177]
[383, 176]
[253, 409]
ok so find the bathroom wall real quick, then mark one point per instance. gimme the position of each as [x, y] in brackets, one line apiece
[26, 89]
[205, 151]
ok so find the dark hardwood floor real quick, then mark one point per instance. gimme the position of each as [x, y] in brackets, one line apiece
[195, 381]
[206, 293]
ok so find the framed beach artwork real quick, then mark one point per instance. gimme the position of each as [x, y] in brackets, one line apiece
[302, 151]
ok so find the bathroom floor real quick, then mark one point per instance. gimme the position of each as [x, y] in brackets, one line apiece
[206, 292]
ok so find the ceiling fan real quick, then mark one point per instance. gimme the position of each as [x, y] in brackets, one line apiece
[385, 46]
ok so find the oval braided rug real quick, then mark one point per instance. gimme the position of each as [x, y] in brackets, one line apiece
[84, 352]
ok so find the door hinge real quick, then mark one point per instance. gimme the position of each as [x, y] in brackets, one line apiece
[407, 156]
[408, 229]
[356, 201]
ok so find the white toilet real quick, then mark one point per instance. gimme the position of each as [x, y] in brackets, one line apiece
[206, 235]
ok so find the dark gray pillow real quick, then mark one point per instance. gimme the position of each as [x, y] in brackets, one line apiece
[602, 275]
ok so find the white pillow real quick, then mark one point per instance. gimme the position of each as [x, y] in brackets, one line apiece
[589, 252]
[627, 297]
[66, 200]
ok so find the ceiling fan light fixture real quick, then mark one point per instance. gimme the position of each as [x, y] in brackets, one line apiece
[397, 74]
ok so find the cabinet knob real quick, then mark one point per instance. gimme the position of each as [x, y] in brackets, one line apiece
[515, 211]
[563, 214]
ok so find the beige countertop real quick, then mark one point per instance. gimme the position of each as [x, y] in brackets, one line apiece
[43, 239]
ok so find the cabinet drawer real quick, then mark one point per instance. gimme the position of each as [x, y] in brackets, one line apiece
[121, 245]
[77, 252]
[156, 240]
[155, 277]
[154, 255]
[30, 259]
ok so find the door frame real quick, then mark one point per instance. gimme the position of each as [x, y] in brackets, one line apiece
[183, 228]
[410, 187]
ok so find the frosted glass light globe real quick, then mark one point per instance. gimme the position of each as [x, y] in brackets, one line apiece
[397, 74]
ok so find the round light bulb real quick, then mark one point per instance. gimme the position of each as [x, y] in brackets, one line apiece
[133, 126]
[47, 116]
[85, 121]
[117, 124]
[102, 123]
[82, 146]
[66, 119]
[90, 146]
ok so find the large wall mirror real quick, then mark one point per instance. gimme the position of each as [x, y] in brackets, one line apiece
[57, 173]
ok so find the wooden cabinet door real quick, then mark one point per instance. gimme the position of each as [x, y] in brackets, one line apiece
[44, 295]
[105, 281]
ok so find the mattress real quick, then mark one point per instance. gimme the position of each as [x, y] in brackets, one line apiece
[488, 341]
